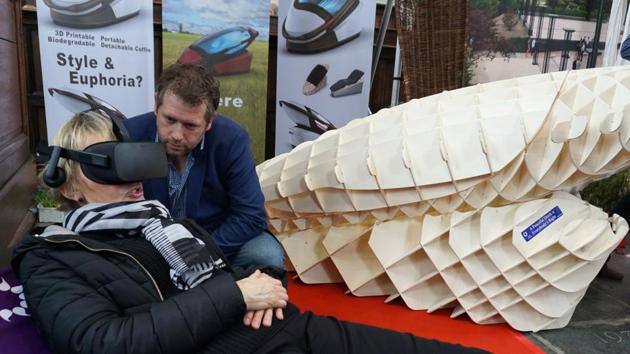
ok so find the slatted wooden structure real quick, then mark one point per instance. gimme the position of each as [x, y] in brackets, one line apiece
[433, 38]
[388, 202]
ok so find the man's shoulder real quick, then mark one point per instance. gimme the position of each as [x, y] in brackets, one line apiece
[145, 118]
[226, 128]
[227, 123]
[141, 126]
[625, 49]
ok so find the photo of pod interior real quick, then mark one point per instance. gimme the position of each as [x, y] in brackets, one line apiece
[224, 52]
[91, 13]
[314, 26]
[309, 124]
[76, 101]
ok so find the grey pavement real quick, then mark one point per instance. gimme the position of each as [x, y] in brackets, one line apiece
[601, 322]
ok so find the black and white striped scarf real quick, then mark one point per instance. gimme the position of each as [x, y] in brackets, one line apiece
[190, 260]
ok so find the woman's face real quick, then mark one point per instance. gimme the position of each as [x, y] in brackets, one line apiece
[84, 190]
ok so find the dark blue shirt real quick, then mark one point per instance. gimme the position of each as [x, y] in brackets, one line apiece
[177, 187]
[222, 190]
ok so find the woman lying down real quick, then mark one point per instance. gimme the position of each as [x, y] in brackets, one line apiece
[121, 276]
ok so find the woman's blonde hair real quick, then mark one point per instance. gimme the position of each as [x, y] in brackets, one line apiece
[74, 135]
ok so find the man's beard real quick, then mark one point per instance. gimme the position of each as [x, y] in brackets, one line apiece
[181, 150]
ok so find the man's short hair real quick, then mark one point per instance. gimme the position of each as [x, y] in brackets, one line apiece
[193, 84]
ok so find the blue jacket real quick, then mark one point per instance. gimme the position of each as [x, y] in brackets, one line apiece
[625, 49]
[223, 193]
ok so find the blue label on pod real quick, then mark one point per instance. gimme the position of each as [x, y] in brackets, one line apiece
[539, 225]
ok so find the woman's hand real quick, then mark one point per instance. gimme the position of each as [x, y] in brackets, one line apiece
[262, 292]
[255, 318]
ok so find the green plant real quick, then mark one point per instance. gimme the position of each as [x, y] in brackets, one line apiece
[511, 4]
[490, 6]
[606, 193]
[42, 199]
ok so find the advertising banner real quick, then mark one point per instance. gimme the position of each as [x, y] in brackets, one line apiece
[324, 65]
[95, 56]
[231, 39]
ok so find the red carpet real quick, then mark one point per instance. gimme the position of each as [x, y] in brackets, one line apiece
[329, 299]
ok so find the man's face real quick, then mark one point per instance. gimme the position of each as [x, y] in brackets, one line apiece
[180, 126]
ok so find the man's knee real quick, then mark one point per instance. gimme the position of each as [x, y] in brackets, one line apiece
[264, 250]
[270, 250]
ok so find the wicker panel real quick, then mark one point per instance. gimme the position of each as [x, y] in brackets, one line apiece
[433, 39]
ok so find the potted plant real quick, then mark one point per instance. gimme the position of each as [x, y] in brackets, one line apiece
[48, 208]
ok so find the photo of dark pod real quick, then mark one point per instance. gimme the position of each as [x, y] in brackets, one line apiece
[314, 26]
[76, 101]
[309, 124]
[224, 52]
[91, 13]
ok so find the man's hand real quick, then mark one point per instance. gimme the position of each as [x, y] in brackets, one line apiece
[262, 292]
[255, 318]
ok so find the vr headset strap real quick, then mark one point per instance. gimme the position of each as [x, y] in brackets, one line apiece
[56, 152]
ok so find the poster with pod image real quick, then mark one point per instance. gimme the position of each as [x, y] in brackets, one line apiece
[95, 55]
[324, 64]
[230, 38]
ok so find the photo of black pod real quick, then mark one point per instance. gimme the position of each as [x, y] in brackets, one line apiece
[351, 85]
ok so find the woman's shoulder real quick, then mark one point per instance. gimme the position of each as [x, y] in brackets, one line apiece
[34, 246]
[29, 242]
[53, 244]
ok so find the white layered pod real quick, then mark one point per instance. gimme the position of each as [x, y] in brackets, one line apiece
[527, 264]
[445, 157]
[489, 144]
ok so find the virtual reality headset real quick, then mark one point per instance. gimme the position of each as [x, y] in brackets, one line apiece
[110, 162]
